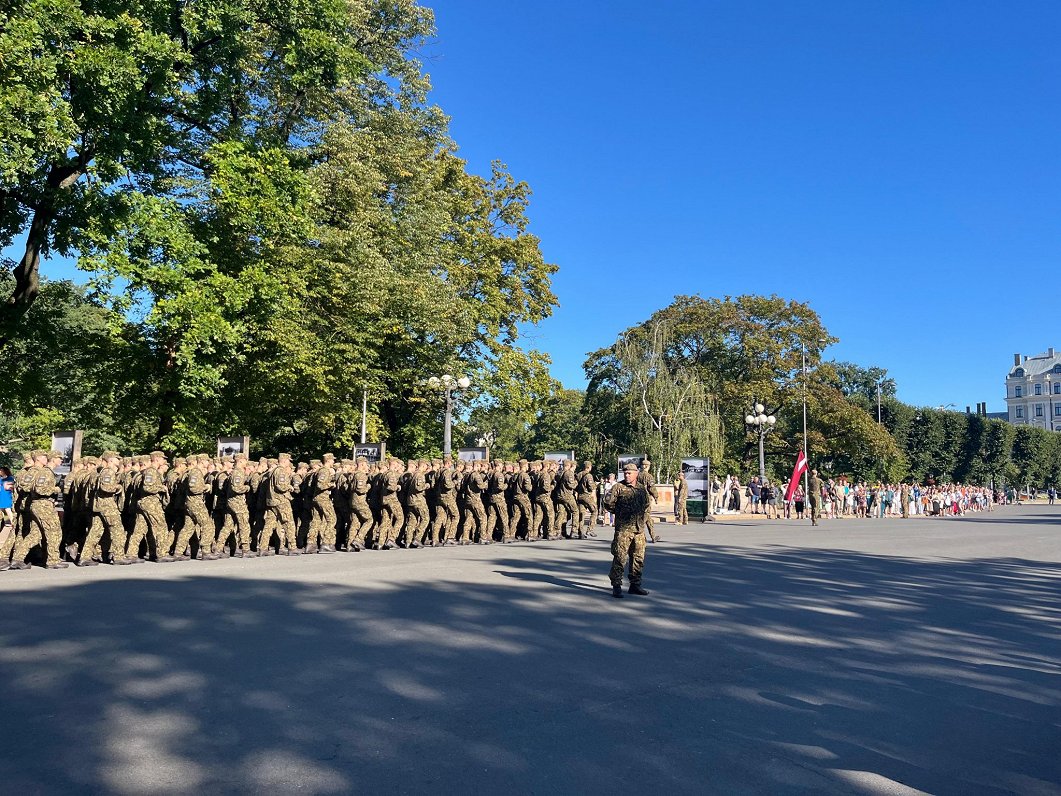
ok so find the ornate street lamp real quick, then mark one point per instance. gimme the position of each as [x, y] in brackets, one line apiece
[761, 423]
[448, 385]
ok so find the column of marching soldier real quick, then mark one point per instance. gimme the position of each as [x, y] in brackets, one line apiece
[125, 510]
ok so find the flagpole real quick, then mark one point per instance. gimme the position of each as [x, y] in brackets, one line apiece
[806, 452]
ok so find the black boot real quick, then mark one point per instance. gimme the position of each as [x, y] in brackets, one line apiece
[617, 591]
[637, 590]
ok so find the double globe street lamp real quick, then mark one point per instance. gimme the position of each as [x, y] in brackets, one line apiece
[761, 423]
[449, 385]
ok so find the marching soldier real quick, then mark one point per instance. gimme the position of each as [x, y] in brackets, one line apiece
[444, 527]
[566, 506]
[586, 498]
[150, 521]
[496, 506]
[41, 519]
[416, 516]
[522, 513]
[197, 520]
[360, 511]
[391, 515]
[106, 517]
[279, 514]
[543, 500]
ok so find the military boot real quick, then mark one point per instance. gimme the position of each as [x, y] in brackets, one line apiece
[637, 590]
[617, 591]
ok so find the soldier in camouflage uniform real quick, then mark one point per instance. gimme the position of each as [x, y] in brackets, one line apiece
[42, 520]
[586, 497]
[237, 516]
[150, 489]
[307, 523]
[542, 496]
[521, 511]
[197, 521]
[681, 497]
[416, 515]
[360, 511]
[629, 502]
[649, 483]
[278, 513]
[474, 512]
[392, 517]
[496, 504]
[444, 526]
[323, 524]
[23, 485]
[566, 504]
[106, 517]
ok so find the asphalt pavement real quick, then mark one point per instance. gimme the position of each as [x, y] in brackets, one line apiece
[881, 656]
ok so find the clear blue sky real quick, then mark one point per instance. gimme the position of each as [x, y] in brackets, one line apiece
[895, 164]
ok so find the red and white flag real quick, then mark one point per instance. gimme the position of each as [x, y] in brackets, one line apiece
[797, 473]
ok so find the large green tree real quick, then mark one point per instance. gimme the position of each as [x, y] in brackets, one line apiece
[264, 196]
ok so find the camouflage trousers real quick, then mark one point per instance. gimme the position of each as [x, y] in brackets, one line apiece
[322, 523]
[629, 546]
[446, 519]
[279, 518]
[587, 512]
[416, 520]
[522, 513]
[149, 519]
[40, 520]
[681, 512]
[390, 521]
[543, 518]
[474, 518]
[197, 523]
[17, 524]
[105, 518]
[238, 520]
[360, 521]
[497, 517]
[566, 511]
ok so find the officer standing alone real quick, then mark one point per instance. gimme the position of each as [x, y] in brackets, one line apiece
[628, 501]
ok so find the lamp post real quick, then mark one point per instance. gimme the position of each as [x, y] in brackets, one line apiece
[448, 384]
[761, 423]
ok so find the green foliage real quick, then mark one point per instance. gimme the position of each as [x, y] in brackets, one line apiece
[271, 215]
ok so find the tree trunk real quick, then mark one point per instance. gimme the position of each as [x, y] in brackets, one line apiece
[27, 276]
[168, 398]
[27, 273]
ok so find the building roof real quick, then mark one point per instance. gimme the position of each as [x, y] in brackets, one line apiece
[1038, 365]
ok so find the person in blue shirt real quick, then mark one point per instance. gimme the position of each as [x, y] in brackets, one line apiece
[7, 498]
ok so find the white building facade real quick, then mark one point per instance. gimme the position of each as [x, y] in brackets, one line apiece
[1033, 391]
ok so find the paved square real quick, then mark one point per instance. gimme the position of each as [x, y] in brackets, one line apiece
[859, 657]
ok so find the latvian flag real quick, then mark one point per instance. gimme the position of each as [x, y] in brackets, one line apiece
[797, 473]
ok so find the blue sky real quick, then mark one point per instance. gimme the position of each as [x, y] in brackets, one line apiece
[895, 164]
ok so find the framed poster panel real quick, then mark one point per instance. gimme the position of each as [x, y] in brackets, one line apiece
[473, 454]
[559, 456]
[698, 477]
[68, 443]
[373, 451]
[230, 446]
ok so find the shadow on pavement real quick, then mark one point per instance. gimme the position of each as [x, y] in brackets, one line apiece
[778, 670]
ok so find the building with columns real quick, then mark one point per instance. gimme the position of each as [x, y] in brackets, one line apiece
[1033, 391]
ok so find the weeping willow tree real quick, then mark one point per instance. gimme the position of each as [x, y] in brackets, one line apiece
[672, 412]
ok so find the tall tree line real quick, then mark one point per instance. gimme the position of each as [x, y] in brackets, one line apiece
[272, 221]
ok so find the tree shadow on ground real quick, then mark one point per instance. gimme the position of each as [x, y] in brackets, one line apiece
[773, 670]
